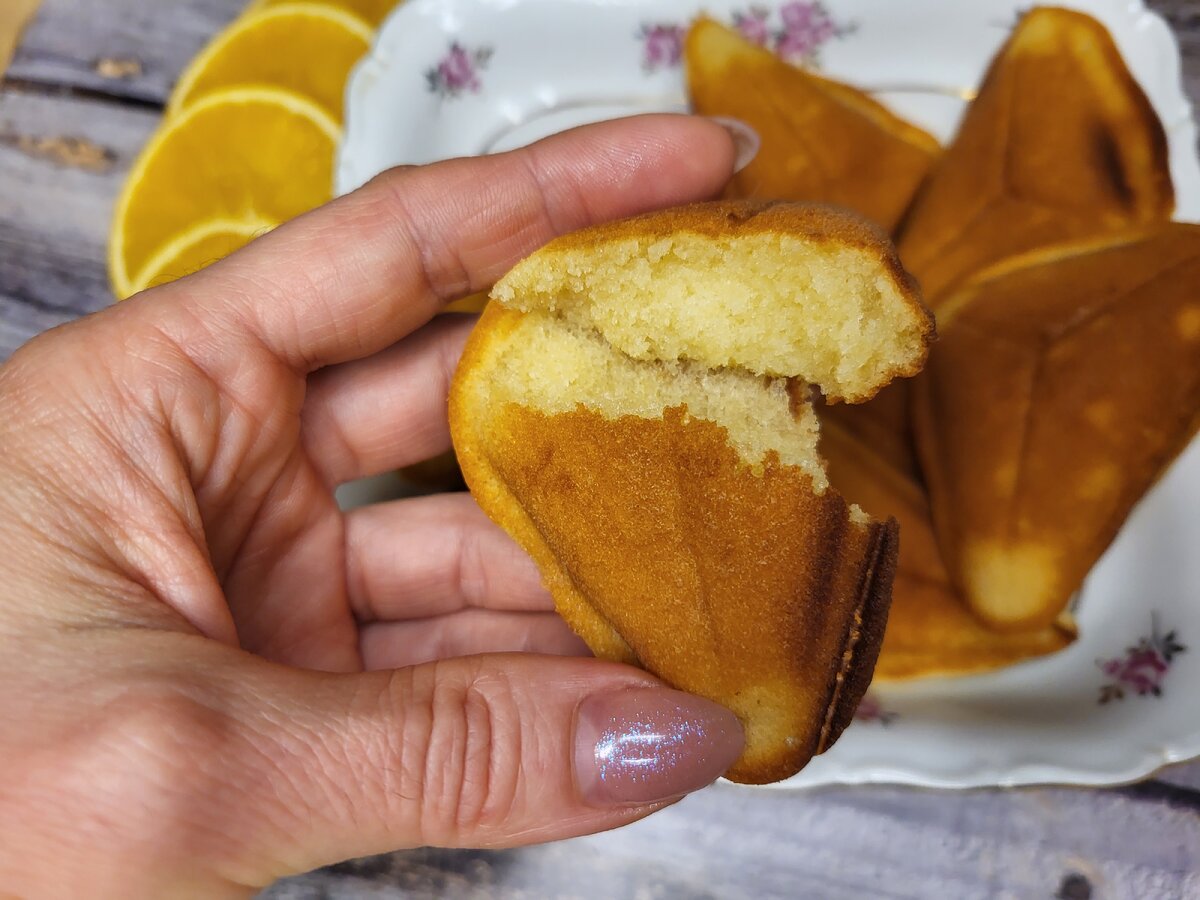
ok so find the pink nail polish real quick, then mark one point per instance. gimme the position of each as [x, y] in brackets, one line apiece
[644, 745]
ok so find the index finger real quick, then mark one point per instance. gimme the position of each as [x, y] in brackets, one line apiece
[355, 276]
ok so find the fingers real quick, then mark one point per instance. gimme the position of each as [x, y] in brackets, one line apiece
[387, 411]
[489, 751]
[354, 277]
[394, 645]
[429, 556]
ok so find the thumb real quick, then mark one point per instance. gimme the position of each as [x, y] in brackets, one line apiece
[485, 751]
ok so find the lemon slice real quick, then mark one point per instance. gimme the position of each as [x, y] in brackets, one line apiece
[308, 48]
[371, 11]
[240, 154]
[198, 247]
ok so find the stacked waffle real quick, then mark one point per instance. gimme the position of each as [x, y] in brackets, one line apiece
[1067, 375]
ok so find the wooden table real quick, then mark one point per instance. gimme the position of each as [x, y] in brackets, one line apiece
[85, 90]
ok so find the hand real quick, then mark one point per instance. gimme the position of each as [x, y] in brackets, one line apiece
[210, 677]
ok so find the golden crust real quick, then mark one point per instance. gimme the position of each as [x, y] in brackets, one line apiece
[1060, 392]
[468, 428]
[814, 222]
[759, 594]
[883, 423]
[735, 578]
[931, 633]
[866, 158]
[1061, 143]
[930, 630]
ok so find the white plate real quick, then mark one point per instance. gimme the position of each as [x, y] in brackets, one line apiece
[463, 77]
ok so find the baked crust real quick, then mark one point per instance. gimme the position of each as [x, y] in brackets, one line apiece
[1061, 143]
[866, 158]
[1065, 383]
[813, 221]
[930, 629]
[663, 549]
[680, 543]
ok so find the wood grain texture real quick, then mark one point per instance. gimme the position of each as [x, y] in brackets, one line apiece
[839, 844]
[54, 215]
[69, 40]
[1137, 841]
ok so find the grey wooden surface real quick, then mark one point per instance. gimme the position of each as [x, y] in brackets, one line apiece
[1141, 841]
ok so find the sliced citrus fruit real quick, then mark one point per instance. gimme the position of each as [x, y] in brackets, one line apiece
[198, 247]
[371, 11]
[308, 48]
[245, 154]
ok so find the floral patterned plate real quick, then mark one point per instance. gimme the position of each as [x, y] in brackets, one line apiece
[461, 77]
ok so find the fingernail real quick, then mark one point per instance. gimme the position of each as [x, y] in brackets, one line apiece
[745, 140]
[645, 745]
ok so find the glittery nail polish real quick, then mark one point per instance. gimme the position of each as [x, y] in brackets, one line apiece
[644, 745]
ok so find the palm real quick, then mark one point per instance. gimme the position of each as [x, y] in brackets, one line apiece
[287, 584]
[270, 383]
[309, 585]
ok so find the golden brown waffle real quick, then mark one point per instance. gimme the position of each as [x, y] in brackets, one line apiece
[1061, 143]
[822, 141]
[930, 631]
[674, 498]
[1065, 381]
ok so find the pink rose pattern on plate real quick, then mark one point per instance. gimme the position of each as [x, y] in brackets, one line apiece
[458, 71]
[802, 29]
[1143, 667]
[807, 27]
[662, 45]
[754, 25]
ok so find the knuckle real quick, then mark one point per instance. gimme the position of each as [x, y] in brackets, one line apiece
[471, 770]
[24, 378]
[403, 199]
[473, 569]
[564, 203]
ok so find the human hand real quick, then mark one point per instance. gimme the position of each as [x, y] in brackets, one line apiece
[210, 676]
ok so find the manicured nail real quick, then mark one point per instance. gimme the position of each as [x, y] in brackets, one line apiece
[745, 140]
[645, 745]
